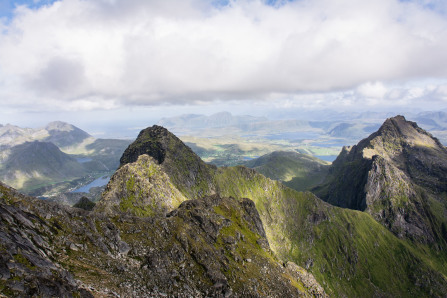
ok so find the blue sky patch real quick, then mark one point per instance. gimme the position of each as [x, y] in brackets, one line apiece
[7, 7]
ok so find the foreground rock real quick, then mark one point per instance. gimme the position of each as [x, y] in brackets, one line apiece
[208, 247]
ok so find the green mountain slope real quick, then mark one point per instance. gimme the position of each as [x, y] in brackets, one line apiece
[295, 170]
[32, 164]
[348, 251]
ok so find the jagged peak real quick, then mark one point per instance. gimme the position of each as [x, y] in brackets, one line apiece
[187, 171]
[409, 131]
[152, 141]
[393, 136]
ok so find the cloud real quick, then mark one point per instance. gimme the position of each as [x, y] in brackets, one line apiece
[81, 54]
[372, 90]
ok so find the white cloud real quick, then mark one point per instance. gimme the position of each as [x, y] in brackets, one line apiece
[103, 54]
[372, 90]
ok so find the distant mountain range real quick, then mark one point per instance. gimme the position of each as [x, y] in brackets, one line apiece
[342, 128]
[56, 158]
[59, 133]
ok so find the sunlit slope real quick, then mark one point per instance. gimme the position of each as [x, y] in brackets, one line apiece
[295, 170]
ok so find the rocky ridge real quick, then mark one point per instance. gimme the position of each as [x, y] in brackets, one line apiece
[214, 245]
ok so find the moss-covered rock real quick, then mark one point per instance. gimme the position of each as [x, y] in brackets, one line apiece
[141, 188]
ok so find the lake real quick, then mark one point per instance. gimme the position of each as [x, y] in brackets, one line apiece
[95, 183]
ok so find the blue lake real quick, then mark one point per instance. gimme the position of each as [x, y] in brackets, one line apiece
[249, 157]
[98, 182]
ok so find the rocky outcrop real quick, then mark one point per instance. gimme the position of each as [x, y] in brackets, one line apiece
[85, 203]
[141, 188]
[27, 266]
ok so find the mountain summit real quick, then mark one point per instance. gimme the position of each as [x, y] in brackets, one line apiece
[398, 175]
[187, 171]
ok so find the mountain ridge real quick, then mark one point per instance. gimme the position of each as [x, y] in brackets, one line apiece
[398, 175]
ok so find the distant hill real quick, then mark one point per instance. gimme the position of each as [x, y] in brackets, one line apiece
[226, 123]
[64, 135]
[295, 170]
[11, 135]
[32, 164]
[218, 120]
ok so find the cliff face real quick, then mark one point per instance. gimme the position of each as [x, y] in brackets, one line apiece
[398, 175]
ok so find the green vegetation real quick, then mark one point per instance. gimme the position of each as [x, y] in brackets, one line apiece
[348, 251]
[141, 188]
[295, 170]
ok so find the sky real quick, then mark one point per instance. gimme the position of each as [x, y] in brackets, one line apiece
[131, 62]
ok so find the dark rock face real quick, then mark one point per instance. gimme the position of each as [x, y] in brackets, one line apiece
[85, 203]
[397, 175]
[187, 171]
[208, 247]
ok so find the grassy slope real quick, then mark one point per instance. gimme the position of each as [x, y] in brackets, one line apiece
[348, 251]
[295, 170]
